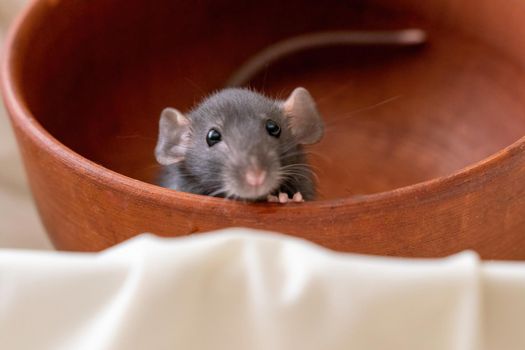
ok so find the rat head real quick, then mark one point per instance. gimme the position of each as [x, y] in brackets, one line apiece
[237, 143]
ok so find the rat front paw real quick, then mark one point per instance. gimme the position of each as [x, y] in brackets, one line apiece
[272, 199]
[298, 197]
[283, 198]
[280, 198]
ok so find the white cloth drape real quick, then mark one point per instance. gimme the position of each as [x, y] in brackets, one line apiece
[240, 289]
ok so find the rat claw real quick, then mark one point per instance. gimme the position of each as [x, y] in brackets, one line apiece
[272, 199]
[298, 197]
[283, 198]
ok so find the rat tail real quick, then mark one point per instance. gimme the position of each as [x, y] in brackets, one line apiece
[405, 37]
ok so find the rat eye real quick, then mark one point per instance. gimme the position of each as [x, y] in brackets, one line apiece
[213, 137]
[273, 128]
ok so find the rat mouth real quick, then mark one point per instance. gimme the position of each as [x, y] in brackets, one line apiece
[252, 192]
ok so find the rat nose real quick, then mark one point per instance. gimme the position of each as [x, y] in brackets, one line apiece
[255, 177]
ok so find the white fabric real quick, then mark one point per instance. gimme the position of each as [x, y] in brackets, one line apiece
[242, 290]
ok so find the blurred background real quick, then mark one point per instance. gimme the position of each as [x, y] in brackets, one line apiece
[20, 226]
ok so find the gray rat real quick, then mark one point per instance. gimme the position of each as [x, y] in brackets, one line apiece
[240, 144]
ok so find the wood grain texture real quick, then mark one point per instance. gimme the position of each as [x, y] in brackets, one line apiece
[424, 152]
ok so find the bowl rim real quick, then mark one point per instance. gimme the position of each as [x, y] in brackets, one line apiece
[23, 117]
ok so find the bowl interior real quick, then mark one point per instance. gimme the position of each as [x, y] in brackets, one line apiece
[99, 72]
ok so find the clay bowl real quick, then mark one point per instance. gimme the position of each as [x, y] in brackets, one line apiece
[423, 154]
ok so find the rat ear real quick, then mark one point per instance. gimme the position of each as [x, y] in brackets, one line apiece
[305, 121]
[173, 137]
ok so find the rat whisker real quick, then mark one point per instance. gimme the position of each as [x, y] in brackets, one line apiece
[302, 167]
[196, 86]
[290, 175]
[299, 156]
[360, 110]
[218, 192]
[290, 145]
[291, 150]
[300, 170]
[319, 155]
[334, 92]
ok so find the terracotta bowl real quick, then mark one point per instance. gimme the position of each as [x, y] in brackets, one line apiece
[423, 154]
